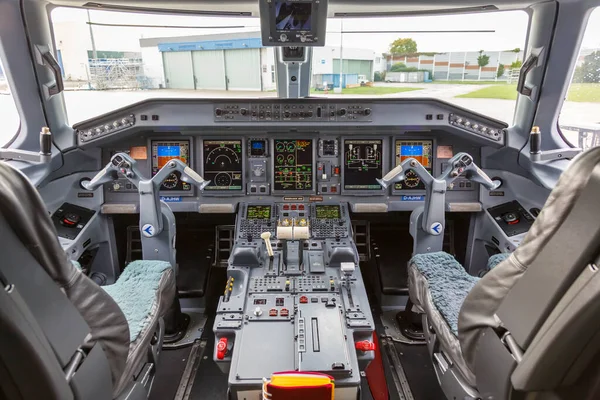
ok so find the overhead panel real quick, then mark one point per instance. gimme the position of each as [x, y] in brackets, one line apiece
[209, 69]
[243, 69]
[179, 73]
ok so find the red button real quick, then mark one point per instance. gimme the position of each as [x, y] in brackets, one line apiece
[222, 348]
[294, 207]
[333, 189]
[365, 345]
[336, 170]
[286, 207]
[301, 207]
[303, 299]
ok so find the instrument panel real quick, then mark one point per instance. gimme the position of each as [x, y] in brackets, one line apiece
[165, 150]
[223, 162]
[420, 150]
[314, 149]
[293, 165]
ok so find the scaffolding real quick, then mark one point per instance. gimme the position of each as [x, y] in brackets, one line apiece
[117, 73]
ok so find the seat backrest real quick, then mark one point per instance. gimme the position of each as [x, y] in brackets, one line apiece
[521, 293]
[24, 215]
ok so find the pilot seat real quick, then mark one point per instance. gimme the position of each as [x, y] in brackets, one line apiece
[115, 332]
[530, 323]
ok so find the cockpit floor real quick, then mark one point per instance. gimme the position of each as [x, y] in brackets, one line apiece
[169, 373]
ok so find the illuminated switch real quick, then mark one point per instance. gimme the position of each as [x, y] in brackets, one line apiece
[294, 207]
[284, 312]
[273, 312]
[303, 300]
[286, 207]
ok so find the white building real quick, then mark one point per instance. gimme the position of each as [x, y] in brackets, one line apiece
[238, 61]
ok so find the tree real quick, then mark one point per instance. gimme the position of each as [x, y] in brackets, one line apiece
[403, 46]
[500, 70]
[379, 76]
[483, 59]
[398, 67]
[517, 64]
[401, 67]
[589, 71]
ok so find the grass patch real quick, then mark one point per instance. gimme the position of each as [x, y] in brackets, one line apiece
[578, 92]
[367, 90]
[504, 92]
[584, 92]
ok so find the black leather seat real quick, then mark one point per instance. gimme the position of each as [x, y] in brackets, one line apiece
[101, 318]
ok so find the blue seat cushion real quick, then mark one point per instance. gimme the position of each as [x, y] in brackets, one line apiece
[136, 292]
[496, 259]
[449, 284]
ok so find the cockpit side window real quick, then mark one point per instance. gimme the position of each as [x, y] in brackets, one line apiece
[9, 117]
[579, 119]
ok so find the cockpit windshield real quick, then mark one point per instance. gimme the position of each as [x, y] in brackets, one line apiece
[112, 59]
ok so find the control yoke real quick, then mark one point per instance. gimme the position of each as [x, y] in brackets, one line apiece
[150, 204]
[433, 218]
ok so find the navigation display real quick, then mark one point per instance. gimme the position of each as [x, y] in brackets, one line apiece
[328, 212]
[420, 150]
[223, 164]
[293, 164]
[165, 150]
[258, 212]
[293, 15]
[362, 164]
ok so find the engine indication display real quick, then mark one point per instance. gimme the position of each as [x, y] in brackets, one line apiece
[362, 164]
[420, 150]
[293, 164]
[223, 164]
[258, 212]
[328, 212]
[163, 152]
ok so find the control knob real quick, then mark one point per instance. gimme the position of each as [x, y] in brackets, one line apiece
[342, 112]
[244, 111]
[286, 114]
[257, 311]
[218, 112]
[367, 111]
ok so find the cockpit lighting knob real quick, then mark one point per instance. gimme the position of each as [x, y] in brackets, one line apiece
[367, 111]
[342, 112]
[258, 312]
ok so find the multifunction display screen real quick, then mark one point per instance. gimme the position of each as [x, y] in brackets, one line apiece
[328, 212]
[163, 152]
[223, 164]
[258, 212]
[293, 164]
[420, 150]
[362, 164]
[293, 15]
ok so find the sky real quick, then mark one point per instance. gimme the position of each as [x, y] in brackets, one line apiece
[509, 29]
